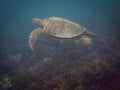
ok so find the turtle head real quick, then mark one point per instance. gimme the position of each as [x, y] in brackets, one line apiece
[38, 22]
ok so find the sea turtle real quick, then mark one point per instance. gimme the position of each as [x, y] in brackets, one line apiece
[61, 28]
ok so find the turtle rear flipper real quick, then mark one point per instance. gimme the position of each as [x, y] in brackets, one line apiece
[33, 37]
[87, 41]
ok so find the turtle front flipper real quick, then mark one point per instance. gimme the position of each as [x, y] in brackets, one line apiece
[33, 37]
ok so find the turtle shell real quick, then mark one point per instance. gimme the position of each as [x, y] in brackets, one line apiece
[62, 28]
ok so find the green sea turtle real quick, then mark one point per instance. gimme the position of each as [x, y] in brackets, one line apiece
[61, 28]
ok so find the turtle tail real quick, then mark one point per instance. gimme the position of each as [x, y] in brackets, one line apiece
[33, 37]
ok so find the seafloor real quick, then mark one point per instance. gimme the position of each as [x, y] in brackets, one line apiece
[61, 65]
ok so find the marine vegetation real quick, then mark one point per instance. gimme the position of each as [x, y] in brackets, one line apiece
[6, 82]
[60, 74]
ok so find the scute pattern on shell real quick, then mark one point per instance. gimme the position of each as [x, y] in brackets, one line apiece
[62, 28]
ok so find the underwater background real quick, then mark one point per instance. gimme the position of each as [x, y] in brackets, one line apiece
[56, 64]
